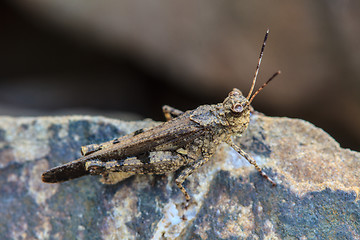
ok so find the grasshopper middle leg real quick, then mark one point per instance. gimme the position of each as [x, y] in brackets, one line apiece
[187, 172]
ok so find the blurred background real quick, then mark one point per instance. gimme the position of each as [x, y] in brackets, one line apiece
[128, 58]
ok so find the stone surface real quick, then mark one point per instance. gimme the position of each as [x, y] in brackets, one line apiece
[316, 196]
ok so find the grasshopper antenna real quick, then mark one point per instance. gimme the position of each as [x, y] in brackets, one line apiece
[262, 87]
[258, 65]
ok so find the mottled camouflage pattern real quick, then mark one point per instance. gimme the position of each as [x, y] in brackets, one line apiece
[188, 141]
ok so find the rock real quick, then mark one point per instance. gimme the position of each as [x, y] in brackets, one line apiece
[316, 196]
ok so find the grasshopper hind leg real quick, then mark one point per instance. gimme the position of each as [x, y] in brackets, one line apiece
[105, 169]
[158, 162]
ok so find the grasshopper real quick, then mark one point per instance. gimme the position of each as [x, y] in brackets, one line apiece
[187, 139]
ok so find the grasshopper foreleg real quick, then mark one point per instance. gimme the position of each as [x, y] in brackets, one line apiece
[171, 112]
[251, 161]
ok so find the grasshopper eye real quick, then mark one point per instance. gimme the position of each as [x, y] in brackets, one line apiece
[237, 107]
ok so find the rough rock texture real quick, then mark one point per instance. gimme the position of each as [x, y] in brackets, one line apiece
[316, 196]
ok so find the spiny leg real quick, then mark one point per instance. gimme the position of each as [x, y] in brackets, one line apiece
[187, 172]
[251, 161]
[169, 112]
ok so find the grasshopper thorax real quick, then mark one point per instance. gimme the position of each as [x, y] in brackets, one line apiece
[237, 110]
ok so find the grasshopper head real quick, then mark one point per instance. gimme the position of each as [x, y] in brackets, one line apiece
[237, 107]
[237, 110]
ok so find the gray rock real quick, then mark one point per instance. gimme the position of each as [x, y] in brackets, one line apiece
[316, 196]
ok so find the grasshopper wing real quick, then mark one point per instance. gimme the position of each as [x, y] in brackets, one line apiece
[65, 172]
[167, 136]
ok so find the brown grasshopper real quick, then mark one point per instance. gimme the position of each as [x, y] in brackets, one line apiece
[187, 139]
